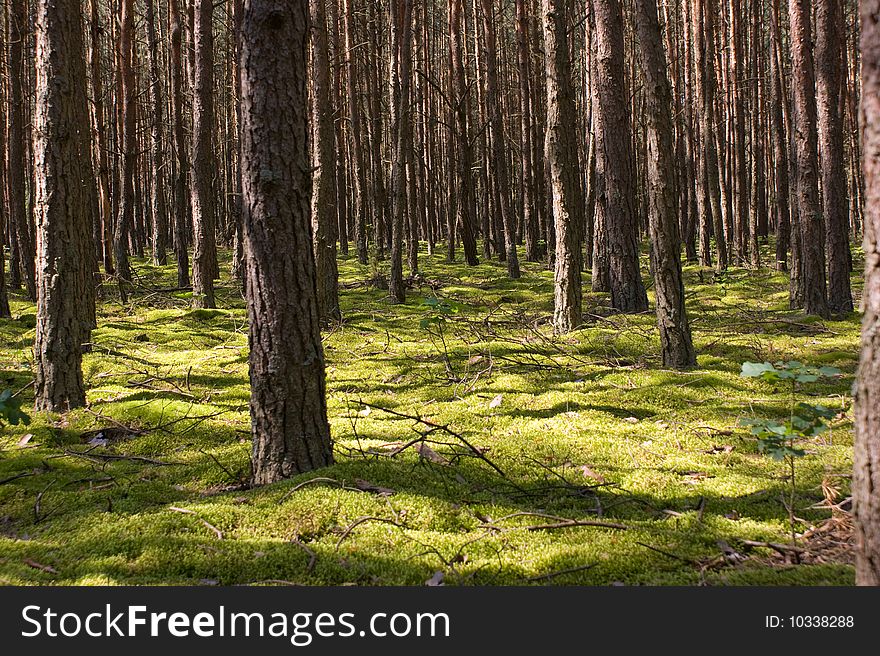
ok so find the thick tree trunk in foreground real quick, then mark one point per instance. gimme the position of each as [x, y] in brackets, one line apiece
[614, 161]
[806, 143]
[324, 161]
[835, 203]
[288, 404]
[203, 166]
[675, 332]
[866, 465]
[561, 153]
[65, 256]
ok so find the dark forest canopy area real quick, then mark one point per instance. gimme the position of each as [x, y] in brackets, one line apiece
[421, 292]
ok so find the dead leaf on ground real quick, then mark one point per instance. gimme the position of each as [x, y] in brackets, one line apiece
[429, 454]
[494, 403]
[436, 580]
[25, 439]
[590, 473]
[724, 448]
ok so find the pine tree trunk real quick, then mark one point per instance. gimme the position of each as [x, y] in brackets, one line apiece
[675, 333]
[181, 200]
[128, 123]
[806, 143]
[159, 227]
[323, 202]
[288, 405]
[62, 156]
[835, 203]
[866, 459]
[203, 162]
[614, 160]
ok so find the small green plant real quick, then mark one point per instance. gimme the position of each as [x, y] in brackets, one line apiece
[10, 410]
[434, 322]
[779, 440]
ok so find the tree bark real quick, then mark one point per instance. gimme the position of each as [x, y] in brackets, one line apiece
[324, 162]
[160, 212]
[288, 404]
[62, 155]
[203, 163]
[806, 138]
[675, 333]
[866, 458]
[181, 200]
[835, 203]
[561, 151]
[615, 161]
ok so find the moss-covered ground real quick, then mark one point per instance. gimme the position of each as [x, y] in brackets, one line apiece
[145, 485]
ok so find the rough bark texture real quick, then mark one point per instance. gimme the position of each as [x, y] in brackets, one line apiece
[62, 156]
[356, 167]
[128, 90]
[675, 333]
[288, 404]
[324, 176]
[866, 465]
[181, 202]
[779, 129]
[467, 202]
[203, 166]
[401, 132]
[498, 155]
[615, 161]
[160, 212]
[21, 244]
[835, 203]
[562, 156]
[806, 143]
[530, 215]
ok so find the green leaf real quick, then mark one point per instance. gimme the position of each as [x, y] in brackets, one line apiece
[756, 369]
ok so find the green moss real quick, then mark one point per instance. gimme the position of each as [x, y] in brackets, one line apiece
[656, 443]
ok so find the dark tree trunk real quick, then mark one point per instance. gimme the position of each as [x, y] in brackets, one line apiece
[21, 242]
[203, 163]
[530, 215]
[614, 161]
[829, 74]
[128, 109]
[62, 156]
[779, 100]
[323, 178]
[181, 200]
[675, 333]
[288, 404]
[866, 459]
[160, 212]
[806, 143]
[356, 162]
[561, 154]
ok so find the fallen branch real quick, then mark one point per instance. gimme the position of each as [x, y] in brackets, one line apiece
[362, 520]
[314, 481]
[784, 549]
[213, 528]
[99, 457]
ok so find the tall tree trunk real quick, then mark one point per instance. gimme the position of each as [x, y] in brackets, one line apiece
[835, 203]
[781, 159]
[675, 333]
[530, 215]
[467, 203]
[181, 200]
[160, 212]
[806, 139]
[203, 164]
[288, 401]
[866, 459]
[401, 133]
[22, 243]
[128, 111]
[323, 178]
[614, 161]
[62, 155]
[356, 164]
[561, 153]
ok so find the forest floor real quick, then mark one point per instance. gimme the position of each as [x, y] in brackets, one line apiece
[507, 444]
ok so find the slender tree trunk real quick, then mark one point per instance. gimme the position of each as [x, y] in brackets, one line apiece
[288, 403]
[806, 139]
[22, 244]
[323, 159]
[866, 459]
[160, 212]
[181, 200]
[356, 163]
[614, 161]
[62, 154]
[527, 170]
[781, 161]
[562, 156]
[675, 333]
[128, 112]
[203, 161]
[835, 203]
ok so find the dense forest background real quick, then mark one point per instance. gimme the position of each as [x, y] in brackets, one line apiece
[547, 291]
